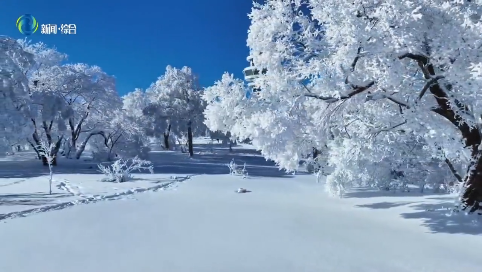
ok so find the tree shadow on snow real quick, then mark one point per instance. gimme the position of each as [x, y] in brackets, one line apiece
[371, 192]
[438, 219]
[384, 205]
[30, 199]
[34, 168]
[214, 164]
[165, 162]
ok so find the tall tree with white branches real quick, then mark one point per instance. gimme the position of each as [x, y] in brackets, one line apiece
[176, 104]
[365, 77]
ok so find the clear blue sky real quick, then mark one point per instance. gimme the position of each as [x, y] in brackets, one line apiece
[136, 40]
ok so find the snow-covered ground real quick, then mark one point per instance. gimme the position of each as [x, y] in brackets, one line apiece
[198, 223]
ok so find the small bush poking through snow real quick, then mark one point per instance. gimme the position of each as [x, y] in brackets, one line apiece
[237, 170]
[120, 170]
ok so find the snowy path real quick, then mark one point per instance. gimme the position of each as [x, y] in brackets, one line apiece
[283, 225]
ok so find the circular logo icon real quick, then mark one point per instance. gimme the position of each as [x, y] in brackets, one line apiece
[27, 24]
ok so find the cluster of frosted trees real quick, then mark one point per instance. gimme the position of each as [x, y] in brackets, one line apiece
[383, 93]
[386, 93]
[46, 101]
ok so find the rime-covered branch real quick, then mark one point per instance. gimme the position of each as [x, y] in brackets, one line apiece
[331, 99]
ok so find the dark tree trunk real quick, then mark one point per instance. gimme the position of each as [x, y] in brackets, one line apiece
[81, 148]
[472, 196]
[35, 149]
[189, 139]
[75, 131]
[453, 112]
[46, 163]
[315, 153]
[166, 141]
[166, 137]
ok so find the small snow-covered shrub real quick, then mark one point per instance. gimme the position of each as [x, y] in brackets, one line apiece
[334, 185]
[235, 169]
[318, 166]
[181, 143]
[121, 170]
[311, 167]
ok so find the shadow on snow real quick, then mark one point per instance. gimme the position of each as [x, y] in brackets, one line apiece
[372, 192]
[30, 199]
[165, 162]
[436, 217]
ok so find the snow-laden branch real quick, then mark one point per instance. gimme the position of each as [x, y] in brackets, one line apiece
[450, 111]
[427, 85]
[378, 96]
[452, 169]
[417, 57]
[358, 56]
[376, 133]
[333, 99]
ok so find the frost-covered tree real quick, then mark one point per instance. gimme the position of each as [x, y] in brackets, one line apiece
[71, 100]
[176, 105]
[369, 81]
[399, 52]
[122, 136]
[134, 103]
[95, 100]
[14, 91]
[226, 104]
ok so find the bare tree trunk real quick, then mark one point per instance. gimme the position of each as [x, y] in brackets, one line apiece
[35, 149]
[58, 144]
[110, 142]
[189, 139]
[166, 137]
[53, 153]
[472, 196]
[109, 154]
[316, 152]
[72, 147]
[81, 148]
[75, 130]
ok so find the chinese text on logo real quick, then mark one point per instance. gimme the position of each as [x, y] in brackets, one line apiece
[68, 29]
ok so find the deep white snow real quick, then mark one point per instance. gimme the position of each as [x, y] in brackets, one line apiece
[285, 222]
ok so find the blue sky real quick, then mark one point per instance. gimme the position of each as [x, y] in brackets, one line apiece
[136, 40]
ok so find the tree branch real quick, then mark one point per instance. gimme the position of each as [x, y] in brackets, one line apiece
[452, 169]
[428, 85]
[373, 97]
[358, 55]
[332, 99]
[416, 57]
[470, 134]
[375, 134]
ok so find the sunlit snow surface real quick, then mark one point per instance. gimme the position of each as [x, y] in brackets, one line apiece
[286, 223]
